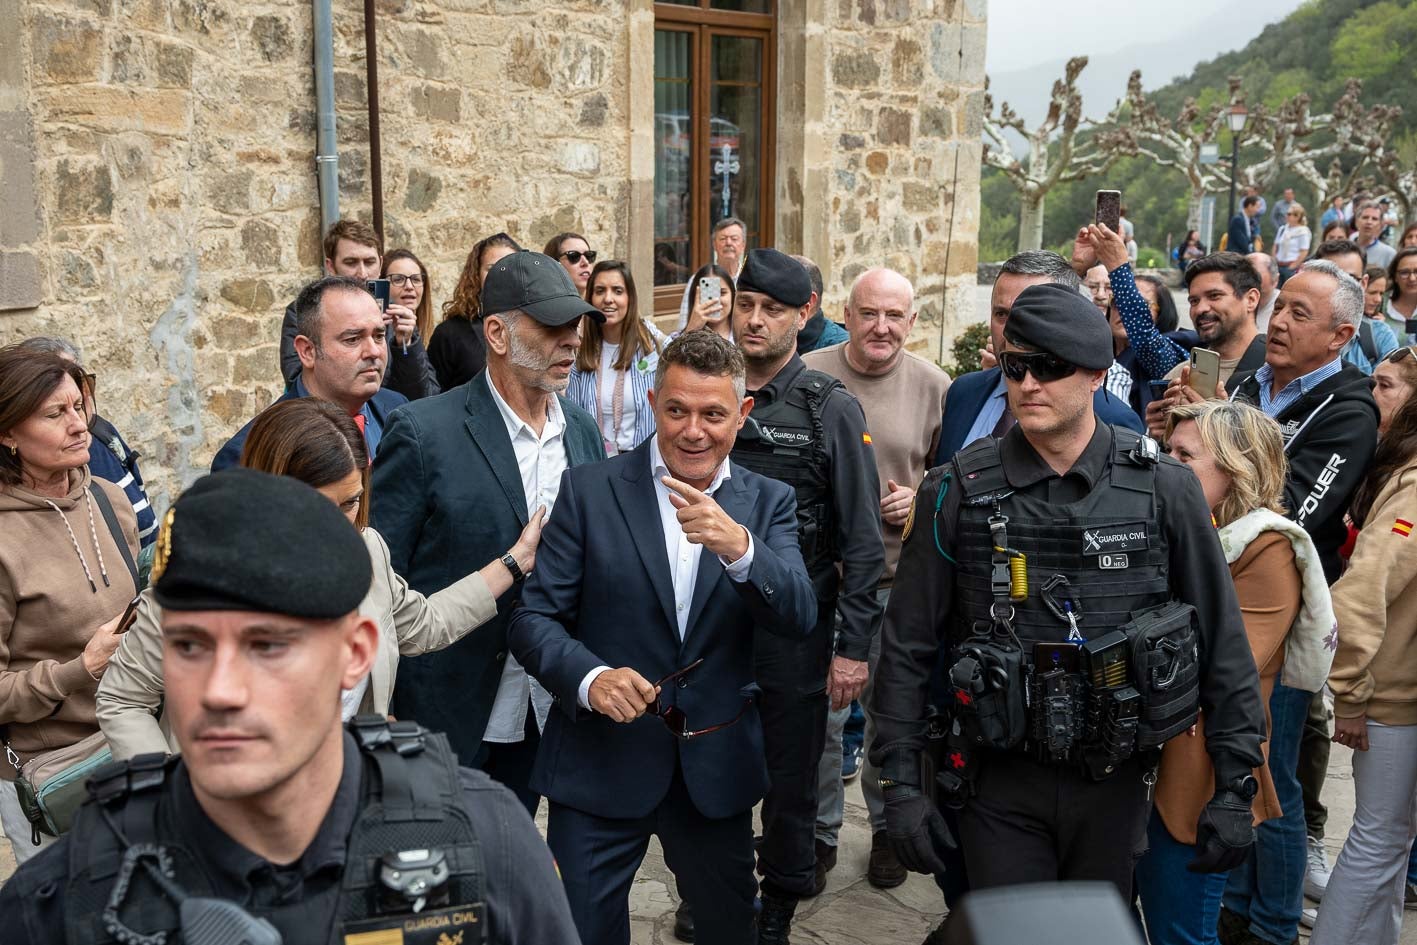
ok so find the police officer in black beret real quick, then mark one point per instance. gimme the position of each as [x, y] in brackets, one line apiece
[1063, 601]
[277, 824]
[808, 431]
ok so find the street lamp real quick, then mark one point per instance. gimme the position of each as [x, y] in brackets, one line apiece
[1238, 116]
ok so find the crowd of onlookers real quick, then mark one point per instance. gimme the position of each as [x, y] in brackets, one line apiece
[1305, 444]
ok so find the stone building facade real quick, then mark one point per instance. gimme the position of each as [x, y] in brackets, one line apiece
[159, 184]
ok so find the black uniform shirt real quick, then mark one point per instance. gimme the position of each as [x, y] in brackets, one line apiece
[919, 618]
[524, 895]
[856, 502]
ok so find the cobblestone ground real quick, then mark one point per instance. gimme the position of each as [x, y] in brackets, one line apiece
[851, 911]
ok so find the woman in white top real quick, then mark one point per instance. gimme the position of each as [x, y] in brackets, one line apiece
[1402, 290]
[1291, 243]
[615, 367]
[319, 444]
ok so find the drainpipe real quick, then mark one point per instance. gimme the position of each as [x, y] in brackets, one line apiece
[326, 155]
[376, 164]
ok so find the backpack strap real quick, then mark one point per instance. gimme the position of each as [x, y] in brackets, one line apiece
[1365, 340]
[111, 519]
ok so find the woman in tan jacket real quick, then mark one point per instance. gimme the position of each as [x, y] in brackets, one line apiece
[1238, 455]
[63, 575]
[317, 443]
[1374, 677]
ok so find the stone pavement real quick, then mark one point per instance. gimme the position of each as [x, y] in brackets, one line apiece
[852, 912]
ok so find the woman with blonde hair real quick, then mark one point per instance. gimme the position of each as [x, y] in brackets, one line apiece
[1237, 454]
[1291, 243]
[316, 442]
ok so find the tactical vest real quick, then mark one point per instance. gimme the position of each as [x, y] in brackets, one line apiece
[1098, 560]
[411, 800]
[785, 440]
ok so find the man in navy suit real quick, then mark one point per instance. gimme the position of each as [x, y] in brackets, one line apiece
[340, 341]
[976, 404]
[458, 479]
[653, 576]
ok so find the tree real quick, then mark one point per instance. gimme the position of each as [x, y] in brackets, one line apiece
[1044, 168]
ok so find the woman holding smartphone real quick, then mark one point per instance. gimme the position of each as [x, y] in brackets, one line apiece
[713, 293]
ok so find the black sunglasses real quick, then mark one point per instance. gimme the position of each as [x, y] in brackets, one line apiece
[1043, 366]
[574, 255]
[673, 716]
[1398, 354]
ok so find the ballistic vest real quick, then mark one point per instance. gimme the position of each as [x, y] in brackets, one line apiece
[785, 440]
[411, 800]
[1099, 559]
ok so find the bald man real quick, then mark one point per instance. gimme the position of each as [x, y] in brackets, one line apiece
[903, 396]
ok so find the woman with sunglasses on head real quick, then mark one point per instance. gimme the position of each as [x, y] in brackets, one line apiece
[1237, 455]
[457, 349]
[615, 366]
[317, 443]
[1402, 291]
[1374, 677]
[575, 255]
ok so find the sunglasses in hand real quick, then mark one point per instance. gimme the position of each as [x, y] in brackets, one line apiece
[1043, 366]
[673, 716]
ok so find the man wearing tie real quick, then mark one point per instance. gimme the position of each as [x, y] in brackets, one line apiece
[653, 576]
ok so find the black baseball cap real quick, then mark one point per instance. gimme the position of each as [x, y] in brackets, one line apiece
[535, 284]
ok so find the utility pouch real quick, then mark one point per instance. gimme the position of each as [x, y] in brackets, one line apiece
[987, 682]
[1056, 726]
[1165, 671]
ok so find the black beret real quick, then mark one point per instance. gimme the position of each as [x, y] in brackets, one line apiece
[246, 540]
[776, 274]
[1060, 321]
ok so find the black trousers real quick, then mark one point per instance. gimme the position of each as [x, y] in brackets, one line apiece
[1035, 823]
[793, 707]
[712, 861]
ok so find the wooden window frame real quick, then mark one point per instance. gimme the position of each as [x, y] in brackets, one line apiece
[703, 23]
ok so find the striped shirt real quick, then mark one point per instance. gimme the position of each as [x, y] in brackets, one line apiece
[1275, 405]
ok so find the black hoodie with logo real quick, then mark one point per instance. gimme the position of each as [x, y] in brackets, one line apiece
[1330, 434]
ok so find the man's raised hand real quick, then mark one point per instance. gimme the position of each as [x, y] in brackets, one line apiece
[704, 521]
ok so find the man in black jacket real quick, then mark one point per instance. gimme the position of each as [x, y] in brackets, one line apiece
[1238, 235]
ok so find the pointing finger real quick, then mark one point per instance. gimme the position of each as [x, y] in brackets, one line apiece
[691, 495]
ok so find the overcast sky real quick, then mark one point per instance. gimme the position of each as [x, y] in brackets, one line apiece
[1025, 33]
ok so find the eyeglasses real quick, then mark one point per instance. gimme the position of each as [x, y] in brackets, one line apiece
[673, 716]
[574, 256]
[1407, 275]
[398, 278]
[1043, 366]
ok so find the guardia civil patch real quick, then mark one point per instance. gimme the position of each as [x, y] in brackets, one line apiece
[460, 925]
[1106, 539]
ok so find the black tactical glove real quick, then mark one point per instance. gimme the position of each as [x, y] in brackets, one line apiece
[916, 830]
[1224, 834]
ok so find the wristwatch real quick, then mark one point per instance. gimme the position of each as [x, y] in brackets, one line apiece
[518, 575]
[1246, 786]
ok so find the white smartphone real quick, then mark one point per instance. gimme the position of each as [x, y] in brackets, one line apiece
[710, 289]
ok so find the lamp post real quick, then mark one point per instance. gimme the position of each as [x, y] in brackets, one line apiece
[1237, 117]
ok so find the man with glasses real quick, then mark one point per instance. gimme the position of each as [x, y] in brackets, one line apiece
[658, 573]
[352, 251]
[1025, 560]
[730, 242]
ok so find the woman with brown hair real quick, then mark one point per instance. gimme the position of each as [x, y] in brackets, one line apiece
[317, 443]
[574, 254]
[457, 350]
[67, 570]
[614, 369]
[1402, 291]
[409, 287]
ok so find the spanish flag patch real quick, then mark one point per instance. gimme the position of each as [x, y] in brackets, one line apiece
[866, 438]
[1402, 527]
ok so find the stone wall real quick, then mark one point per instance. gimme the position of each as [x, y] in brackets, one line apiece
[160, 190]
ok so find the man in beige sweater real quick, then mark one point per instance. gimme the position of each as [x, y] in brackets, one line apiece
[903, 398]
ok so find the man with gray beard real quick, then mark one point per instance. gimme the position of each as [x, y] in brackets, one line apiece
[458, 477]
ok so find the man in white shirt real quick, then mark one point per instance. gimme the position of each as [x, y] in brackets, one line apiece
[659, 569]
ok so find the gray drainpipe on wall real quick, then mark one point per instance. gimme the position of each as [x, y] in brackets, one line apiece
[326, 155]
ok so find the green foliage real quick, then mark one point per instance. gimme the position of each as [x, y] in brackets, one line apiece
[1375, 41]
[966, 348]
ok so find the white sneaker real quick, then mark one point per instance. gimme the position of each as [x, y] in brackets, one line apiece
[1308, 917]
[1317, 873]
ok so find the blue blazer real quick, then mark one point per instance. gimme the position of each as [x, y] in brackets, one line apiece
[968, 393]
[381, 405]
[448, 499]
[601, 594]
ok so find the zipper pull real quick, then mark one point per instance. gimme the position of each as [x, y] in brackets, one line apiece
[1149, 779]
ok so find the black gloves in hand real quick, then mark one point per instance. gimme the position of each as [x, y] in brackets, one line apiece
[916, 830]
[1224, 834]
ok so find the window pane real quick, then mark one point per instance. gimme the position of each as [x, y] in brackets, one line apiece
[672, 134]
[735, 131]
[743, 6]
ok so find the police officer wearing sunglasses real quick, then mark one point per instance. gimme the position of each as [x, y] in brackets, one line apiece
[1063, 603]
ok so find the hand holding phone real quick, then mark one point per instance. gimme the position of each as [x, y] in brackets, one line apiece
[1109, 210]
[1205, 372]
[130, 615]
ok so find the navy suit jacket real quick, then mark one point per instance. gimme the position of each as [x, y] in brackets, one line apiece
[380, 405]
[1238, 240]
[601, 595]
[448, 499]
[968, 393]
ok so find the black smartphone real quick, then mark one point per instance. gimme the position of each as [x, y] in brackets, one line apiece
[1410, 326]
[130, 614]
[1158, 386]
[1109, 209]
[380, 289]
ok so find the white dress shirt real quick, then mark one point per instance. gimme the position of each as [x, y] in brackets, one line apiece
[541, 460]
[682, 555]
